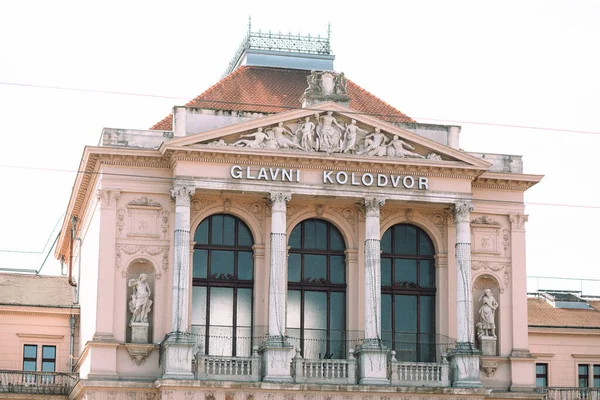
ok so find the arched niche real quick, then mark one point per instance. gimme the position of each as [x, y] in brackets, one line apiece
[480, 285]
[134, 270]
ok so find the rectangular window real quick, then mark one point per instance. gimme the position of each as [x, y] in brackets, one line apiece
[48, 358]
[541, 375]
[30, 357]
[583, 373]
[596, 375]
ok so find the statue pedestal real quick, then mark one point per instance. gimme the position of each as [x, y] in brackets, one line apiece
[372, 363]
[139, 332]
[176, 358]
[488, 345]
[276, 360]
[464, 366]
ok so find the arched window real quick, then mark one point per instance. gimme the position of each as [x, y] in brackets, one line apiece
[316, 313]
[408, 293]
[222, 286]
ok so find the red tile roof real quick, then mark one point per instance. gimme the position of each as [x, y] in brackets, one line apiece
[273, 90]
[543, 314]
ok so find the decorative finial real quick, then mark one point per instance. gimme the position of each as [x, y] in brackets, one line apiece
[328, 30]
[249, 24]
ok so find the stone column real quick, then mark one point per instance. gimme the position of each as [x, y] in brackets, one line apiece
[465, 358]
[277, 352]
[372, 354]
[177, 348]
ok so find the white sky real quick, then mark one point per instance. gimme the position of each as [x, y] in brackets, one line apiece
[531, 63]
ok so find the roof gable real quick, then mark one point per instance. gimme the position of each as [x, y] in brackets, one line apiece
[274, 90]
[331, 129]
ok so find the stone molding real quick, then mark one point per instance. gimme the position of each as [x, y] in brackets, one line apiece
[151, 251]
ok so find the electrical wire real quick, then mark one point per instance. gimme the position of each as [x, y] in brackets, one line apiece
[502, 125]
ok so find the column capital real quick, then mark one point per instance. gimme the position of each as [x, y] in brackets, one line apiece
[517, 221]
[108, 197]
[372, 205]
[182, 194]
[278, 200]
[462, 211]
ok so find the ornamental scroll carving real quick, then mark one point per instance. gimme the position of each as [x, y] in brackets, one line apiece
[279, 201]
[500, 270]
[133, 249]
[517, 221]
[108, 197]
[182, 195]
[438, 219]
[347, 214]
[461, 211]
[199, 204]
[328, 133]
[485, 236]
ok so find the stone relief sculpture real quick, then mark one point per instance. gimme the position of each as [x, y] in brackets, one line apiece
[340, 83]
[487, 313]
[326, 133]
[399, 148]
[140, 303]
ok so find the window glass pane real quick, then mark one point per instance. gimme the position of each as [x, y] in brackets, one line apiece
[540, 369]
[220, 340]
[321, 235]
[198, 305]
[244, 235]
[49, 352]
[541, 382]
[200, 263]
[426, 274]
[386, 272]
[30, 351]
[243, 342]
[216, 236]
[201, 235]
[244, 307]
[315, 267]
[405, 270]
[245, 265]
[583, 369]
[427, 314]
[425, 245]
[386, 241]
[29, 366]
[295, 237]
[338, 266]
[386, 313]
[405, 313]
[405, 240]
[293, 309]
[48, 366]
[337, 311]
[315, 310]
[294, 267]
[221, 306]
[337, 242]
[309, 234]
[596, 369]
[228, 230]
[221, 264]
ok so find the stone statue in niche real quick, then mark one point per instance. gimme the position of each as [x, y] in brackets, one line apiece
[350, 137]
[259, 139]
[399, 148]
[140, 303]
[375, 144]
[487, 313]
[329, 132]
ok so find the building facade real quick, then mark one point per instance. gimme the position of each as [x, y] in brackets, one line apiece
[289, 235]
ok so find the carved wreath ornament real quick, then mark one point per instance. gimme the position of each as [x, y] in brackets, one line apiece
[323, 132]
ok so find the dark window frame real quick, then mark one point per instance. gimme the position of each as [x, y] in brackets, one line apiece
[328, 287]
[212, 281]
[583, 376]
[541, 375]
[30, 359]
[396, 288]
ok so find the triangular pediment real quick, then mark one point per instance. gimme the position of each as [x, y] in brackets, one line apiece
[331, 130]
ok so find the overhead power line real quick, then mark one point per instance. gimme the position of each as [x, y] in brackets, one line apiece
[172, 180]
[264, 105]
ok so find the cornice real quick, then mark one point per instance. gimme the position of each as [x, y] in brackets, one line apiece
[506, 181]
[39, 311]
[315, 161]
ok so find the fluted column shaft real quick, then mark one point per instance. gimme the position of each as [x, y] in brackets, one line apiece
[181, 259]
[464, 296]
[372, 268]
[277, 271]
